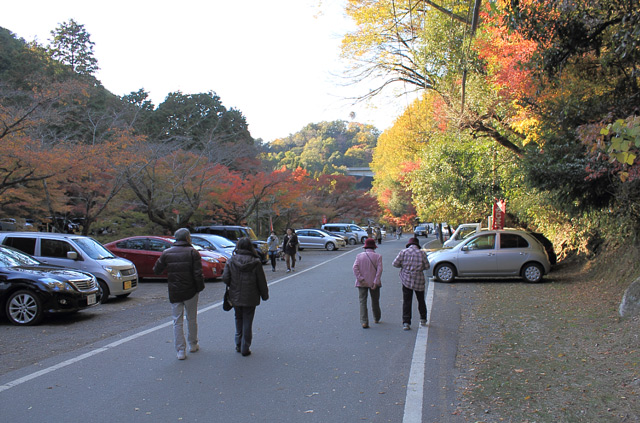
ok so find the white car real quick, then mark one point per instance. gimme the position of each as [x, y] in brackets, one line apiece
[317, 238]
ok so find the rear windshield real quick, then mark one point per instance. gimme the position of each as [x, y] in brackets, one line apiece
[28, 245]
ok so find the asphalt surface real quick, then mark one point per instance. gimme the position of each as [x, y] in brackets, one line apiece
[311, 360]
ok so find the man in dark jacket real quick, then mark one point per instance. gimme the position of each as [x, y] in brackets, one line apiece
[290, 248]
[184, 281]
[247, 283]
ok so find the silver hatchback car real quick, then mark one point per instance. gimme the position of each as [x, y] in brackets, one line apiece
[317, 238]
[492, 253]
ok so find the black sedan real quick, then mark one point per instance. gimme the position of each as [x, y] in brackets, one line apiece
[29, 288]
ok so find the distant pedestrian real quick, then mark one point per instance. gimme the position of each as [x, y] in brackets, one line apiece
[369, 231]
[247, 283]
[273, 243]
[368, 272]
[184, 281]
[412, 262]
[379, 234]
[290, 248]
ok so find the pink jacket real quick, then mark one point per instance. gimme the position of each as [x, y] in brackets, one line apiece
[368, 269]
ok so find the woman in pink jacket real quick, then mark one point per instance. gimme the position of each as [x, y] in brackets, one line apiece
[368, 271]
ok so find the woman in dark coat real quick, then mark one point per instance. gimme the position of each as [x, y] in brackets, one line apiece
[247, 283]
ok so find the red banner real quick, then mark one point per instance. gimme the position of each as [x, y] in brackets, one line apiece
[499, 210]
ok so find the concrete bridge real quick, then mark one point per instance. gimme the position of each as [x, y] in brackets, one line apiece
[360, 171]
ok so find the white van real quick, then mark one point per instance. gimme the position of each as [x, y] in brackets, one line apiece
[464, 230]
[116, 276]
[354, 232]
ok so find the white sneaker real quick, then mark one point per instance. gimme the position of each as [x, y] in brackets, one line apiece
[181, 355]
[406, 326]
[194, 348]
[423, 322]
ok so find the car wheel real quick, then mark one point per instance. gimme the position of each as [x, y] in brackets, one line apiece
[330, 246]
[363, 239]
[24, 308]
[104, 290]
[352, 241]
[532, 272]
[445, 272]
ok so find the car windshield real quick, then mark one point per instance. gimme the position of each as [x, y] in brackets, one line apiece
[252, 236]
[12, 258]
[93, 248]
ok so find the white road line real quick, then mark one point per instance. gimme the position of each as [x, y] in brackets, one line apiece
[415, 385]
[96, 351]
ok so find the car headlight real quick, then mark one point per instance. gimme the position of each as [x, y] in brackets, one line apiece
[55, 284]
[114, 272]
[210, 260]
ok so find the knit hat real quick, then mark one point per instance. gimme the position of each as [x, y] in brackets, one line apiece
[370, 243]
[413, 241]
[182, 234]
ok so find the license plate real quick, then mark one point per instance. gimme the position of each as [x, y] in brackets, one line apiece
[127, 284]
[91, 299]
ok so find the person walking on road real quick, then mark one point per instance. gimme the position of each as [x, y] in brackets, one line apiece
[273, 243]
[247, 283]
[290, 248]
[184, 281]
[412, 262]
[368, 271]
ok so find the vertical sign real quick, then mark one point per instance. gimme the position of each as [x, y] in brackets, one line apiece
[499, 210]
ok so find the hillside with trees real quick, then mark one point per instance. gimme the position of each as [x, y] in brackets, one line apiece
[73, 151]
[325, 147]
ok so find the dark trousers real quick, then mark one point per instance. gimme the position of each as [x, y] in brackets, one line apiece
[272, 256]
[244, 325]
[291, 260]
[407, 295]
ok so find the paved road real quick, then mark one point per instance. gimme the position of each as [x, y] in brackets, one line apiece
[311, 361]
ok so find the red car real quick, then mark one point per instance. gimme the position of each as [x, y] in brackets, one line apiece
[144, 251]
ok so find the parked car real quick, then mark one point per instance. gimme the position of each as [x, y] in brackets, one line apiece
[8, 224]
[29, 288]
[234, 233]
[492, 253]
[343, 230]
[215, 243]
[144, 251]
[360, 234]
[343, 237]
[317, 238]
[116, 276]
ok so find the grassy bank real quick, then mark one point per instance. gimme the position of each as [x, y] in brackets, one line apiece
[556, 351]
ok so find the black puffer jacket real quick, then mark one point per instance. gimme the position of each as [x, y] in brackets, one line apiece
[184, 271]
[245, 277]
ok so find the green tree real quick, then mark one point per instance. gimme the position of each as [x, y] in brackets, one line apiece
[71, 44]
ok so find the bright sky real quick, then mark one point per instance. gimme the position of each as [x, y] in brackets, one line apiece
[275, 61]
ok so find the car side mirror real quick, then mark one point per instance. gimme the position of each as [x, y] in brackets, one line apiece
[72, 255]
[464, 248]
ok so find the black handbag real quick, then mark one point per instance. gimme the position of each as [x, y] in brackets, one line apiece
[226, 304]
